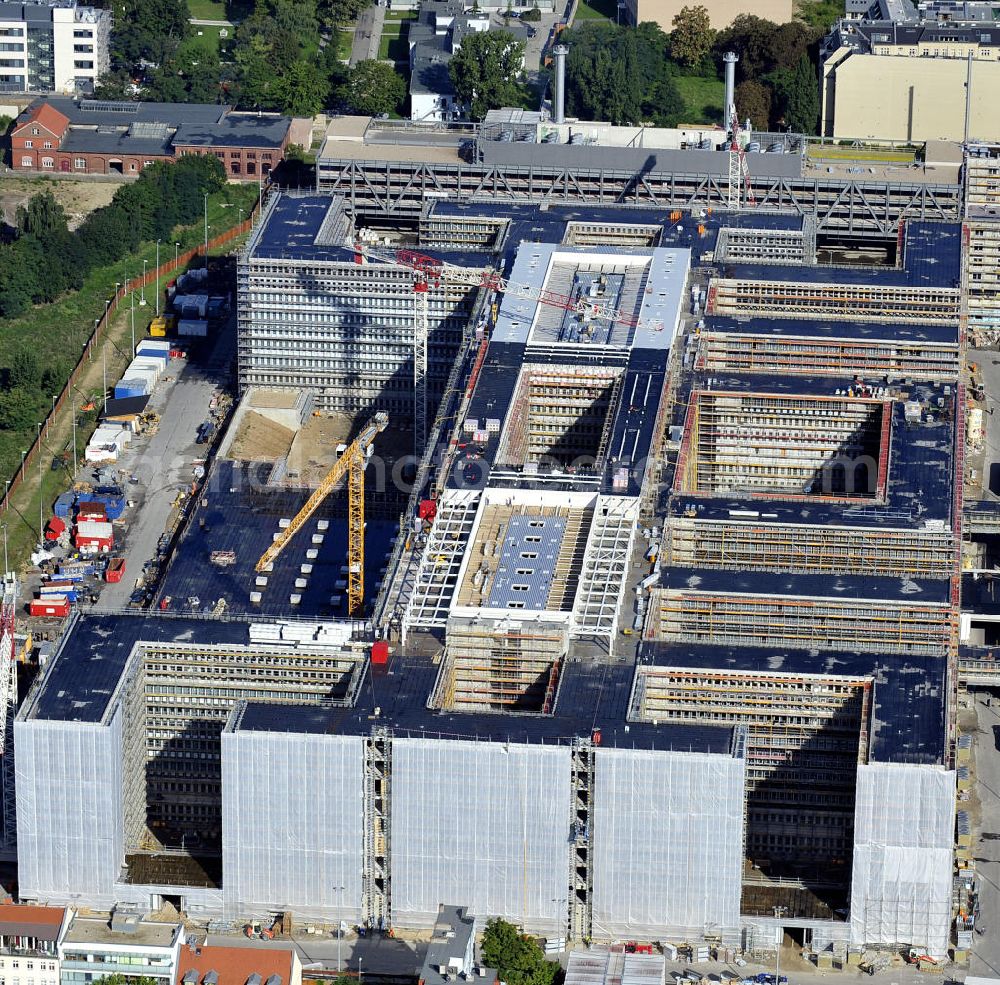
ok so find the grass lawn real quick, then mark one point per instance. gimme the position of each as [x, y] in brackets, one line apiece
[208, 10]
[393, 44]
[597, 10]
[207, 41]
[344, 40]
[821, 152]
[400, 15]
[65, 325]
[702, 98]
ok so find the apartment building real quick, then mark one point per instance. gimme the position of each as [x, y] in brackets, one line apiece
[721, 12]
[29, 943]
[52, 46]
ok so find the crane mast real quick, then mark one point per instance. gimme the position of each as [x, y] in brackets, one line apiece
[352, 465]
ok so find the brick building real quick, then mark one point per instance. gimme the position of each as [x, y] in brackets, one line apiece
[78, 136]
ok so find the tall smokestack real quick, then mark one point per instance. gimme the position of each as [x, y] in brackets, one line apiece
[559, 53]
[729, 106]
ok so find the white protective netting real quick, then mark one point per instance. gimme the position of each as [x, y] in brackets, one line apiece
[667, 843]
[903, 840]
[292, 816]
[68, 778]
[480, 824]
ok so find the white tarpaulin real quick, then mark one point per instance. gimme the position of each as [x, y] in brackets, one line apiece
[903, 843]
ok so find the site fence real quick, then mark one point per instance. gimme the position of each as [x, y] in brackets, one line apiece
[100, 329]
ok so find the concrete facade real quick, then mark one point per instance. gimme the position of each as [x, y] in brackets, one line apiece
[920, 98]
[721, 12]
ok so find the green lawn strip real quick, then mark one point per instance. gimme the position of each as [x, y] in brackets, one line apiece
[702, 98]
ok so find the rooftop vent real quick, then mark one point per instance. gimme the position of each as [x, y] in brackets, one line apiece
[254, 979]
[211, 978]
[190, 977]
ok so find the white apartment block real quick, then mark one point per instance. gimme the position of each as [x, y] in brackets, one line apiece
[29, 943]
[52, 46]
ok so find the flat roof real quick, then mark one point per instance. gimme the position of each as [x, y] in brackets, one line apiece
[238, 520]
[87, 141]
[591, 696]
[235, 129]
[908, 695]
[841, 328]
[920, 481]
[789, 584]
[103, 112]
[143, 933]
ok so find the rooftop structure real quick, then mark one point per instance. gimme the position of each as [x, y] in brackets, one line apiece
[451, 952]
[90, 136]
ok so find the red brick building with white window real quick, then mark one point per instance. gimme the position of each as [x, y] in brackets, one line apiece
[78, 136]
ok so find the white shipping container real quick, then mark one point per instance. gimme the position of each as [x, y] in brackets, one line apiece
[149, 363]
[94, 528]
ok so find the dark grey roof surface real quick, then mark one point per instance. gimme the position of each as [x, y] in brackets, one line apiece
[95, 112]
[21, 928]
[591, 696]
[86, 141]
[235, 130]
[125, 405]
[78, 682]
[838, 329]
[429, 73]
[908, 694]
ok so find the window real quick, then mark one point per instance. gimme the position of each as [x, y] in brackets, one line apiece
[47, 144]
[35, 131]
[83, 64]
[251, 167]
[79, 162]
[47, 162]
[27, 161]
[81, 33]
[84, 49]
[131, 167]
[234, 167]
[29, 143]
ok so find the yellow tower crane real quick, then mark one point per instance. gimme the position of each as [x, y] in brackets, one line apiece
[351, 464]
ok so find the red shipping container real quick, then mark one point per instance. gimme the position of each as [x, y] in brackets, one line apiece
[92, 511]
[54, 528]
[116, 568]
[380, 652]
[57, 606]
[101, 544]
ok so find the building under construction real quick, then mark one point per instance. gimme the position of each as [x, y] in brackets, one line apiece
[676, 625]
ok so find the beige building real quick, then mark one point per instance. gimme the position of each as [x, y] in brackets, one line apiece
[918, 74]
[721, 12]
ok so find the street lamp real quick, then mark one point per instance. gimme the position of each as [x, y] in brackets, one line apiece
[142, 286]
[24, 455]
[38, 451]
[52, 413]
[132, 315]
[6, 496]
[340, 926]
[177, 246]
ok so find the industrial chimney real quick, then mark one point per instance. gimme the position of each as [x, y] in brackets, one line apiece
[729, 106]
[559, 53]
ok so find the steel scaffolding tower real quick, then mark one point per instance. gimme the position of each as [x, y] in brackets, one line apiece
[581, 879]
[376, 900]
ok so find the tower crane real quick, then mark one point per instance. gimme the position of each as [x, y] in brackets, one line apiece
[352, 464]
[739, 170]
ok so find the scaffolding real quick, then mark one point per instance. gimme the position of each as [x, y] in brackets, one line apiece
[825, 624]
[748, 545]
[806, 735]
[856, 302]
[500, 665]
[580, 918]
[376, 890]
[784, 246]
[605, 234]
[763, 443]
[747, 352]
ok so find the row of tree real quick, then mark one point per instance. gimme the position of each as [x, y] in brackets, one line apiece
[777, 75]
[45, 259]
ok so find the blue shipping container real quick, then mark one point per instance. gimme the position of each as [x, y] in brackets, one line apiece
[63, 506]
[70, 593]
[130, 388]
[70, 575]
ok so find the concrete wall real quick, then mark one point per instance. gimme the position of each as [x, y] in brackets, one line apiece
[721, 12]
[919, 98]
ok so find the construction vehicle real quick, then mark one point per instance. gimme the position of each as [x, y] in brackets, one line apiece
[352, 464]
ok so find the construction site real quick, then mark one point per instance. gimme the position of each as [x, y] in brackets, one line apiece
[638, 528]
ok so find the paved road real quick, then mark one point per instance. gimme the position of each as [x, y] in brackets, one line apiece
[367, 34]
[163, 463]
[988, 361]
[986, 949]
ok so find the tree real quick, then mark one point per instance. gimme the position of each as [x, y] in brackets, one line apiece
[341, 11]
[533, 15]
[487, 72]
[753, 100]
[25, 371]
[798, 97]
[147, 30]
[373, 88]
[304, 89]
[751, 38]
[692, 36]
[789, 42]
[518, 959]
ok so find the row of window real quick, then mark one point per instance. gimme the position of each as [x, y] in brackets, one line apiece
[15, 964]
[78, 162]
